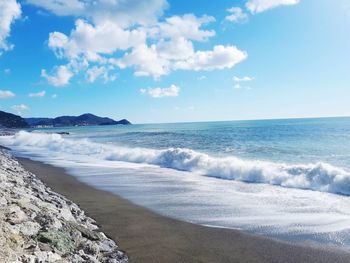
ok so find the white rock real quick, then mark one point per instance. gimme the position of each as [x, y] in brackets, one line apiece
[27, 207]
[15, 215]
[66, 214]
[43, 256]
[29, 228]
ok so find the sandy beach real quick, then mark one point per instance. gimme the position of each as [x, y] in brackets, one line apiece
[149, 237]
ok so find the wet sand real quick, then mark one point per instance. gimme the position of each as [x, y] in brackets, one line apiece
[151, 238]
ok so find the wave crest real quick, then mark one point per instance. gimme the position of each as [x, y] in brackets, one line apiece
[319, 176]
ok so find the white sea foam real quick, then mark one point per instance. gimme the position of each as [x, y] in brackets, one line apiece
[319, 176]
[286, 213]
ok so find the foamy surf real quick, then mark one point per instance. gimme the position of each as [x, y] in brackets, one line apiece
[319, 176]
[284, 213]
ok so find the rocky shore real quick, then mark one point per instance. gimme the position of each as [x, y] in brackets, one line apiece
[39, 225]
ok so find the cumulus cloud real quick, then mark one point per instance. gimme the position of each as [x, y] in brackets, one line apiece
[124, 13]
[146, 60]
[91, 41]
[237, 15]
[10, 11]
[99, 72]
[152, 61]
[37, 94]
[220, 57]
[258, 6]
[60, 78]
[19, 108]
[175, 49]
[58, 43]
[172, 91]
[61, 7]
[113, 35]
[173, 42]
[5, 94]
[187, 26]
[242, 79]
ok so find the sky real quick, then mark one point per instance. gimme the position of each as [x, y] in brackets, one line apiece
[156, 61]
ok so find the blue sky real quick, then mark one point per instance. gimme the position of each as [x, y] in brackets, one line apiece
[166, 61]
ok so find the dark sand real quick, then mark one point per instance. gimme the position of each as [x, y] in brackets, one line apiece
[149, 237]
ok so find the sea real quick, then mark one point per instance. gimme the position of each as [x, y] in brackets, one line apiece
[288, 179]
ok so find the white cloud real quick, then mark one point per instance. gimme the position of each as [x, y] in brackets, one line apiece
[149, 61]
[61, 7]
[187, 26]
[202, 77]
[146, 60]
[175, 49]
[10, 11]
[172, 91]
[258, 6]
[54, 96]
[38, 94]
[94, 43]
[237, 15]
[60, 78]
[102, 42]
[58, 43]
[7, 71]
[220, 57]
[238, 86]
[91, 41]
[99, 72]
[124, 13]
[19, 108]
[242, 79]
[4, 94]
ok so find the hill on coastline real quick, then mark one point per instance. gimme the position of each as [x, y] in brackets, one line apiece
[9, 120]
[86, 119]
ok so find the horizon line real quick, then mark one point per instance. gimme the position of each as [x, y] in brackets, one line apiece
[262, 119]
[203, 121]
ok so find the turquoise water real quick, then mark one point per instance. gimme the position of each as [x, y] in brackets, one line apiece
[292, 141]
[289, 179]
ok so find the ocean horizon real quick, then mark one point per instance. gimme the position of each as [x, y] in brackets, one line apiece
[249, 119]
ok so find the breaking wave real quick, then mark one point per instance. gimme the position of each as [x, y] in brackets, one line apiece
[318, 176]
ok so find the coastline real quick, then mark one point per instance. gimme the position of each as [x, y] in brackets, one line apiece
[149, 237]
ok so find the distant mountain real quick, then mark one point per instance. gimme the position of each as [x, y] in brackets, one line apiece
[122, 122]
[82, 120]
[33, 121]
[10, 120]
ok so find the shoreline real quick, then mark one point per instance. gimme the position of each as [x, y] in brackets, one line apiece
[149, 237]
